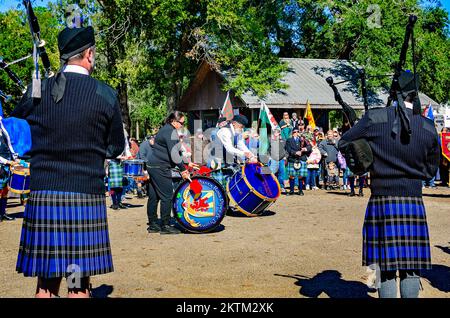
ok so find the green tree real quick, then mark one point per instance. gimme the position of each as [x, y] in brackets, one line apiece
[16, 42]
[371, 32]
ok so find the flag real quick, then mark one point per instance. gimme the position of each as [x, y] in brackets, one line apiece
[227, 109]
[309, 115]
[445, 144]
[265, 117]
[428, 112]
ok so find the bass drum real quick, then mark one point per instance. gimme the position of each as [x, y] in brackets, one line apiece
[251, 190]
[199, 206]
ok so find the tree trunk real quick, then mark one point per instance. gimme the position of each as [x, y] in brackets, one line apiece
[112, 55]
[123, 100]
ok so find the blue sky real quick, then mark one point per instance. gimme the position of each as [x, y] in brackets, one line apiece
[7, 4]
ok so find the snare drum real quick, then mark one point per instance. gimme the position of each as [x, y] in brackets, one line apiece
[200, 211]
[19, 181]
[133, 168]
[251, 191]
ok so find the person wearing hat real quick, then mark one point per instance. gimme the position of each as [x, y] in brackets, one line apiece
[298, 148]
[65, 229]
[229, 147]
[405, 151]
[315, 136]
[294, 120]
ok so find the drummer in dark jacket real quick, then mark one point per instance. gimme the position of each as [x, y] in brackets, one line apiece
[166, 154]
[298, 148]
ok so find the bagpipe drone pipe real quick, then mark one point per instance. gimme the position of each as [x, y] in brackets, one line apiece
[358, 154]
[18, 130]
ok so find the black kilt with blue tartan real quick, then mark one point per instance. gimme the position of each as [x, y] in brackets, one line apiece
[395, 234]
[63, 233]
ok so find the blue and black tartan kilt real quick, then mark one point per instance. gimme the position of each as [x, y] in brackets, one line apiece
[302, 172]
[395, 234]
[115, 175]
[64, 233]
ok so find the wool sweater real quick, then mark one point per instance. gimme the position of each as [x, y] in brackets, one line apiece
[71, 139]
[398, 168]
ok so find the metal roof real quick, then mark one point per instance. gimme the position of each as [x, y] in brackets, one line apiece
[306, 80]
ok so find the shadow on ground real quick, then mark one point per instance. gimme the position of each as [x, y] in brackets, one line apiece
[438, 277]
[218, 229]
[238, 214]
[13, 205]
[128, 205]
[436, 195]
[445, 249]
[103, 291]
[331, 283]
[347, 193]
[17, 215]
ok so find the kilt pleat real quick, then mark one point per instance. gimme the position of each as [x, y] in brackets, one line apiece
[302, 172]
[395, 234]
[63, 233]
[115, 175]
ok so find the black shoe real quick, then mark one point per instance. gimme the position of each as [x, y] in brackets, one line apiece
[6, 217]
[351, 194]
[115, 207]
[122, 206]
[290, 193]
[154, 228]
[167, 229]
[300, 192]
[361, 194]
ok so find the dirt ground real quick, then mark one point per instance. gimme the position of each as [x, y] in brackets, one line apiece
[303, 247]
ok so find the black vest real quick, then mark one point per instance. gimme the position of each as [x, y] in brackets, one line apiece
[224, 151]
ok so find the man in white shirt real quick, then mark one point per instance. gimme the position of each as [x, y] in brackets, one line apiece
[229, 148]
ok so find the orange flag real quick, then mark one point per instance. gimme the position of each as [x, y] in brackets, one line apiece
[309, 115]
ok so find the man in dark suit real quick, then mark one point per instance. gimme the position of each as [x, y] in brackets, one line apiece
[298, 148]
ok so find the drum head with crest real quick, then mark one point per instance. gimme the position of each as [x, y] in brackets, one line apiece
[199, 206]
